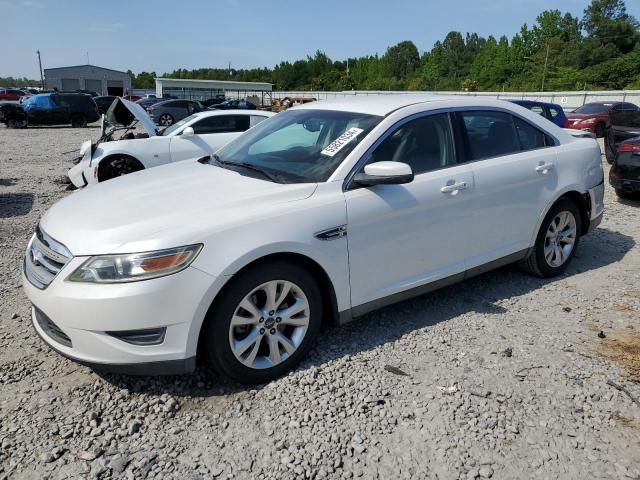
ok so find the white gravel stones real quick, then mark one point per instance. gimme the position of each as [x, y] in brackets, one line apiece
[544, 411]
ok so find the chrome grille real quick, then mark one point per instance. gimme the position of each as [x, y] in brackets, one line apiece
[44, 259]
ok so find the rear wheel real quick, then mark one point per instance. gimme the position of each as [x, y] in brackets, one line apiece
[78, 121]
[264, 323]
[556, 242]
[165, 120]
[11, 123]
[117, 166]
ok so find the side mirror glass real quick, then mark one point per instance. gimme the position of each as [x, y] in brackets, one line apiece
[384, 173]
[188, 132]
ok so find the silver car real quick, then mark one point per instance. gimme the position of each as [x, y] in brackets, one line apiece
[170, 111]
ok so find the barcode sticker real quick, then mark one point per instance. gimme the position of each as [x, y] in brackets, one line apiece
[339, 143]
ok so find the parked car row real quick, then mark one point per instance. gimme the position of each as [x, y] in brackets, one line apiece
[316, 215]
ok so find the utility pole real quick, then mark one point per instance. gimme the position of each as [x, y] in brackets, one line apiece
[40, 65]
[229, 69]
[88, 62]
[544, 72]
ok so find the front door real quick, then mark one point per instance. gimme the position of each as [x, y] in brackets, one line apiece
[402, 237]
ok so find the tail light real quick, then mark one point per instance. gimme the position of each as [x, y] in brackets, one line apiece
[629, 148]
[567, 123]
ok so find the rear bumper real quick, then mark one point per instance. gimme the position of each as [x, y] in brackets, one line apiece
[628, 186]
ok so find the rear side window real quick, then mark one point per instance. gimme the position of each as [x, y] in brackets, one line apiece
[554, 112]
[537, 109]
[529, 137]
[493, 134]
[256, 119]
[489, 134]
[222, 124]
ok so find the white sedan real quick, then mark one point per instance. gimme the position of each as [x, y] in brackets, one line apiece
[318, 215]
[197, 135]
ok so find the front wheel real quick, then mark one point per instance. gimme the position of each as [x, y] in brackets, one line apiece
[599, 130]
[556, 242]
[264, 323]
[117, 166]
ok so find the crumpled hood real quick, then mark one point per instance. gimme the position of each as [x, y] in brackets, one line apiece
[172, 205]
[123, 112]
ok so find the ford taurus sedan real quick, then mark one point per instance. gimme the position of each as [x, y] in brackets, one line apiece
[317, 215]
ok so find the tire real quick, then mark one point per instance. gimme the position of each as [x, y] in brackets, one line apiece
[118, 166]
[627, 195]
[165, 120]
[538, 262]
[16, 123]
[78, 121]
[600, 130]
[255, 359]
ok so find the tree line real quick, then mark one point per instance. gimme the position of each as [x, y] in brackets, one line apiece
[600, 50]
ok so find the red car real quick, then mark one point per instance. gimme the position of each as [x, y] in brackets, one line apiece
[11, 94]
[594, 117]
[132, 98]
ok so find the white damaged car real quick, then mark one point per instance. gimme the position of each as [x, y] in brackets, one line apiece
[199, 134]
[318, 215]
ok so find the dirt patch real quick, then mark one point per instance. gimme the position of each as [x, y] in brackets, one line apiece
[624, 348]
[624, 420]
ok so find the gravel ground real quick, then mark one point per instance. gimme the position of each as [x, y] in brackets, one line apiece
[502, 376]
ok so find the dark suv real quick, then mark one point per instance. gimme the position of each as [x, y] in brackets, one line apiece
[76, 109]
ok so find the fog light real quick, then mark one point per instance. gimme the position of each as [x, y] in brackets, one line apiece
[151, 336]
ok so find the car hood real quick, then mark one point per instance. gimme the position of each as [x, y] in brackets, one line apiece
[123, 112]
[177, 204]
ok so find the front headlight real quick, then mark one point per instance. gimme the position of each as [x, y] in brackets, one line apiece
[134, 267]
[588, 121]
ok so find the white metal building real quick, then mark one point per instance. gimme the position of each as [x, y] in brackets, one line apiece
[104, 81]
[201, 89]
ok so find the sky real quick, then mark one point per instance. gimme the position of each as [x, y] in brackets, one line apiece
[164, 35]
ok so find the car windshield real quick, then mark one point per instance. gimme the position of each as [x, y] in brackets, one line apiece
[299, 146]
[592, 108]
[172, 128]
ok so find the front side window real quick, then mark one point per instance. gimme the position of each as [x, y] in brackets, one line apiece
[537, 109]
[425, 144]
[554, 112]
[489, 134]
[299, 146]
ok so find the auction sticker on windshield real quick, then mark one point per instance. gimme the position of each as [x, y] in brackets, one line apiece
[339, 143]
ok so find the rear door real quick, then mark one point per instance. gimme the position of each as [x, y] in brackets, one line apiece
[515, 178]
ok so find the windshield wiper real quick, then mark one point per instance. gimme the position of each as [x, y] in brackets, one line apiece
[248, 166]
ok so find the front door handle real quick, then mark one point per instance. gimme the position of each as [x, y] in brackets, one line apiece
[453, 189]
[544, 168]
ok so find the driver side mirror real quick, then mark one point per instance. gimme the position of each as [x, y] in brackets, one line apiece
[384, 173]
[188, 132]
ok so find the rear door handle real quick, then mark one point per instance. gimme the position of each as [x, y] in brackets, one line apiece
[544, 168]
[453, 189]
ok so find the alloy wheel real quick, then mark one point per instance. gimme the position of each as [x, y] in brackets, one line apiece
[560, 239]
[269, 324]
[166, 120]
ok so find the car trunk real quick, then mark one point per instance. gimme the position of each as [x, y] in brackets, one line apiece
[624, 126]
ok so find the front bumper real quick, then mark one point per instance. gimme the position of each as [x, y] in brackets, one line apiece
[83, 314]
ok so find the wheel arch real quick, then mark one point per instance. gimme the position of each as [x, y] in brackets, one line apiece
[105, 160]
[579, 197]
[319, 273]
